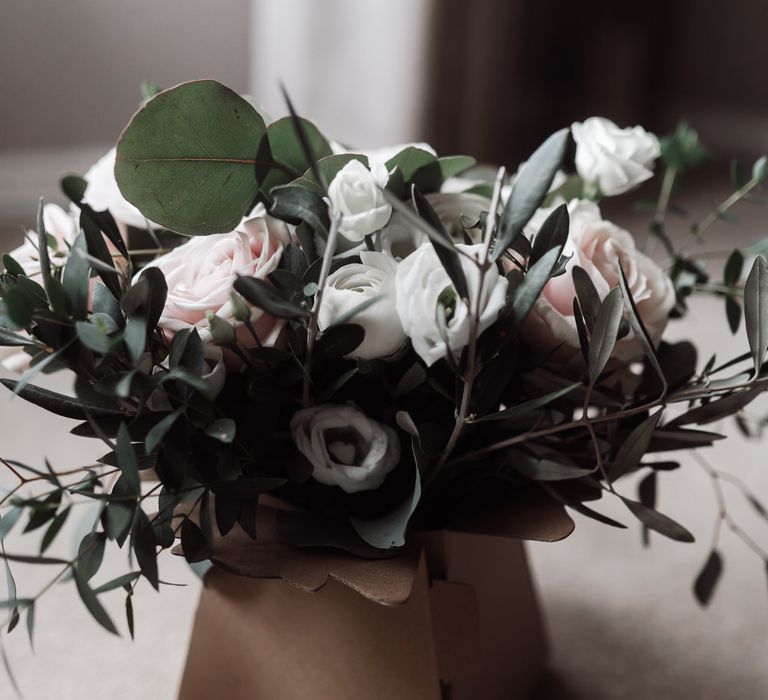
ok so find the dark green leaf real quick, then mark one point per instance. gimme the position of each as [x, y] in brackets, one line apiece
[193, 542]
[756, 311]
[135, 337]
[295, 203]
[732, 313]
[11, 266]
[708, 577]
[127, 460]
[75, 278]
[528, 290]
[93, 337]
[589, 299]
[53, 529]
[529, 189]
[448, 257]
[90, 554]
[143, 543]
[634, 446]
[552, 234]
[733, 268]
[658, 522]
[31, 559]
[156, 435]
[354, 311]
[264, 296]
[98, 250]
[18, 306]
[454, 165]
[59, 404]
[337, 341]
[92, 603]
[120, 581]
[527, 406]
[129, 614]
[718, 408]
[547, 469]
[190, 160]
[605, 333]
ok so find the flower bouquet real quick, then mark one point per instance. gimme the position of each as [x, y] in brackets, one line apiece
[311, 363]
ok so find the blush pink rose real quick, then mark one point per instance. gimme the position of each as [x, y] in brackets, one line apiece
[201, 273]
[598, 246]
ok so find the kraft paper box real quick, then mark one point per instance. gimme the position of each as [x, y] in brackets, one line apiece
[453, 616]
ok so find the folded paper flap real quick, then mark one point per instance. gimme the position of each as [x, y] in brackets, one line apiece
[512, 510]
[455, 626]
[386, 581]
[514, 513]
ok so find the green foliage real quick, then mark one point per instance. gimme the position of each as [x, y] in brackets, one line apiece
[193, 157]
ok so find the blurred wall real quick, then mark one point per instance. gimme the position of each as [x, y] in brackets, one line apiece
[70, 72]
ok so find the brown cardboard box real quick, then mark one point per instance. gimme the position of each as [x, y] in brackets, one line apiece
[455, 616]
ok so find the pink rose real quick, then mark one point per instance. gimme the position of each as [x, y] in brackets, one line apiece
[597, 246]
[200, 274]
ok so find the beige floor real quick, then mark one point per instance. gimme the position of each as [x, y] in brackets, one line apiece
[623, 622]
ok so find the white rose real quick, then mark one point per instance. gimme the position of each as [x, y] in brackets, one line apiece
[399, 238]
[613, 159]
[346, 448]
[353, 284]
[598, 246]
[102, 193]
[355, 193]
[422, 284]
[200, 275]
[62, 228]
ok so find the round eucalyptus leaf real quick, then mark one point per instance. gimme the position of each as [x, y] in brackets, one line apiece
[193, 157]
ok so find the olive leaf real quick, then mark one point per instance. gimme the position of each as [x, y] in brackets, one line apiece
[756, 311]
[531, 186]
[605, 333]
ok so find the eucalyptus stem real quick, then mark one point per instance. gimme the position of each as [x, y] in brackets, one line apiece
[330, 249]
[723, 515]
[474, 326]
[724, 206]
[683, 395]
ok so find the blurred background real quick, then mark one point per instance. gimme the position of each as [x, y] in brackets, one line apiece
[491, 78]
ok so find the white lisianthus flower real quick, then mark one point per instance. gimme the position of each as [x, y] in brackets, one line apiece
[355, 193]
[423, 285]
[612, 159]
[102, 193]
[356, 283]
[200, 275]
[598, 246]
[62, 228]
[345, 447]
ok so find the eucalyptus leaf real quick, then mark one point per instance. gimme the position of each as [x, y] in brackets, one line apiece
[296, 204]
[75, 278]
[340, 340]
[191, 158]
[157, 433]
[193, 542]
